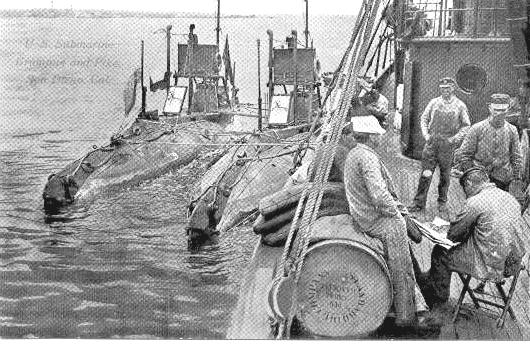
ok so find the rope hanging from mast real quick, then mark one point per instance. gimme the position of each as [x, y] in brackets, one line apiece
[293, 255]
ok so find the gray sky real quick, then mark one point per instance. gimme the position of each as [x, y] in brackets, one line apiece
[296, 7]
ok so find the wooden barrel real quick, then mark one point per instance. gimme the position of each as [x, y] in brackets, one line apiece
[344, 290]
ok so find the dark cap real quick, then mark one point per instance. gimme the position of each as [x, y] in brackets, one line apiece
[446, 82]
[468, 172]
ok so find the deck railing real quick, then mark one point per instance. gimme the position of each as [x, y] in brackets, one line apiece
[463, 18]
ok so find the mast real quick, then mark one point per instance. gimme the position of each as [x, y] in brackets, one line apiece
[306, 31]
[168, 57]
[259, 90]
[399, 9]
[295, 66]
[218, 28]
[270, 84]
[144, 89]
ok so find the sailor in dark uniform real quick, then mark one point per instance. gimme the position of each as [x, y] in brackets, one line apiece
[192, 37]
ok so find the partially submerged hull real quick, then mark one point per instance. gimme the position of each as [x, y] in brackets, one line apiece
[229, 192]
[261, 178]
[146, 149]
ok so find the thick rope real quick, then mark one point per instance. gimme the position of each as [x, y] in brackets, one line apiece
[287, 144]
[339, 71]
[325, 155]
[330, 149]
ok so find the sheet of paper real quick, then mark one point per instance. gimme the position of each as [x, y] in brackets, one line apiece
[434, 236]
[439, 222]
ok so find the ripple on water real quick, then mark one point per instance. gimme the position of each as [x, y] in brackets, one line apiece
[28, 288]
[14, 267]
[91, 304]
[118, 266]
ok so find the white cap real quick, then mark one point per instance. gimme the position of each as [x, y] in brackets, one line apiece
[365, 83]
[366, 124]
[500, 101]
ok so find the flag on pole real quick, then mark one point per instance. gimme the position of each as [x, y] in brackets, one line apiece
[160, 85]
[129, 94]
[228, 63]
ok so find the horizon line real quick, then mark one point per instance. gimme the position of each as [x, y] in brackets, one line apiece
[162, 11]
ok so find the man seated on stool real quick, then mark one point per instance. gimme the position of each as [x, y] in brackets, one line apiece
[489, 233]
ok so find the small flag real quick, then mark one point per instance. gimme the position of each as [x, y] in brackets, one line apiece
[160, 85]
[129, 94]
[228, 64]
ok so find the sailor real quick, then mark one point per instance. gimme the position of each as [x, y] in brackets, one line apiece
[489, 236]
[444, 124]
[416, 22]
[375, 211]
[520, 107]
[494, 145]
[376, 104]
[193, 40]
[192, 37]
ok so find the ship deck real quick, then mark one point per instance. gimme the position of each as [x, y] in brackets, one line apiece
[250, 318]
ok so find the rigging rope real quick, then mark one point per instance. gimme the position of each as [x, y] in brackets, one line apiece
[235, 163]
[341, 67]
[324, 156]
[287, 144]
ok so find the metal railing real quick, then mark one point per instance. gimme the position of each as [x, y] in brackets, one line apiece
[478, 19]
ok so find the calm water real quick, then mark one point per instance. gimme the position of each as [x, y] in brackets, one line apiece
[116, 265]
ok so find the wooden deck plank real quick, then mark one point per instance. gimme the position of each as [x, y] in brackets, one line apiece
[521, 308]
[250, 318]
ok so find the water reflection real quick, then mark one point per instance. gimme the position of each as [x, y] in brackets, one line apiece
[65, 214]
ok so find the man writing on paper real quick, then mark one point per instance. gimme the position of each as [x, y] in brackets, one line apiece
[489, 233]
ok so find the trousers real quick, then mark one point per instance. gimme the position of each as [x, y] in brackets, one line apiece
[437, 152]
[435, 285]
[392, 232]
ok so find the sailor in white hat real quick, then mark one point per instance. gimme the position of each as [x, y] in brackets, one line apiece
[366, 125]
[374, 209]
